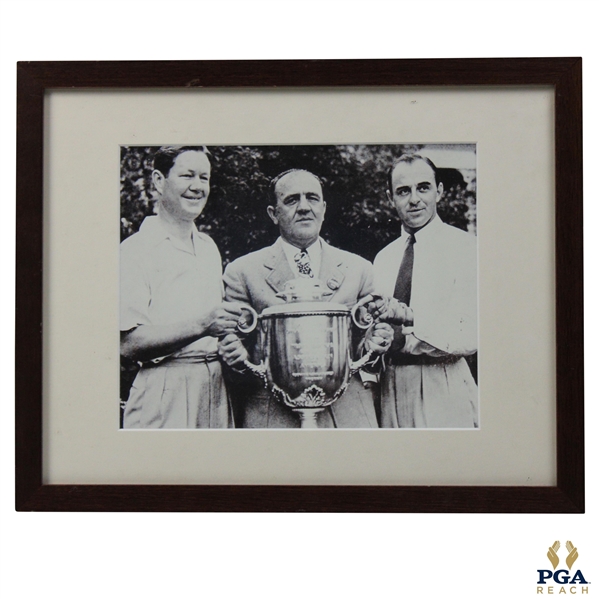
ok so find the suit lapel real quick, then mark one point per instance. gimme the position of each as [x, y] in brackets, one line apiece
[276, 263]
[330, 272]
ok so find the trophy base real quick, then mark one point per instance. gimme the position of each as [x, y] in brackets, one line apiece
[308, 416]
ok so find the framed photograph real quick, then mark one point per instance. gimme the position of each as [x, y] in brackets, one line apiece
[192, 331]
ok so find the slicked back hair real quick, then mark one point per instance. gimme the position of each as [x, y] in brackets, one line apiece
[165, 157]
[272, 196]
[410, 159]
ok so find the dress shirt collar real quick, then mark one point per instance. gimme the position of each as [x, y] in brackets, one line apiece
[427, 232]
[154, 230]
[314, 251]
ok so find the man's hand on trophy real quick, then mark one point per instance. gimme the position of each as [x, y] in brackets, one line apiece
[232, 352]
[378, 339]
[388, 309]
[368, 310]
[375, 305]
[398, 314]
[223, 319]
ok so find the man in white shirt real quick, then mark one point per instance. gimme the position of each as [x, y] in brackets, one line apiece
[429, 277]
[298, 209]
[171, 304]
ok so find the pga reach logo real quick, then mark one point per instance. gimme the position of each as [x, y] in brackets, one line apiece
[562, 582]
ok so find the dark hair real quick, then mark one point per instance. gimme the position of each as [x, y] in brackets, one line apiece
[165, 157]
[272, 196]
[409, 159]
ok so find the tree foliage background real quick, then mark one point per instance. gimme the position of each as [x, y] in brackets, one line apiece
[359, 218]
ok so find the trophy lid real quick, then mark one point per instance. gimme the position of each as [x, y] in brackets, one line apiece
[306, 308]
[304, 289]
[305, 295]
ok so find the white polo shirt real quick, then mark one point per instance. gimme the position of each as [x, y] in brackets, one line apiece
[164, 282]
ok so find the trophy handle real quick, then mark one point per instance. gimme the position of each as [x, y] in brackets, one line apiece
[355, 366]
[365, 321]
[245, 324]
[257, 370]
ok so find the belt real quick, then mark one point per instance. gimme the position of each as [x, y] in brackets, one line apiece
[400, 359]
[182, 360]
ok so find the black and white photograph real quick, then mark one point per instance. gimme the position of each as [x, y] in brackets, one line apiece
[299, 286]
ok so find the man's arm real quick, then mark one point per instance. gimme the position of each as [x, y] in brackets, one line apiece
[143, 340]
[447, 317]
[378, 338]
[146, 342]
[443, 317]
[236, 289]
[233, 350]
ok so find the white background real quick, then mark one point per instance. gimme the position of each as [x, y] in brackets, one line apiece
[225, 555]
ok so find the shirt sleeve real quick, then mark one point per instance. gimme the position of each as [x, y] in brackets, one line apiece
[445, 317]
[452, 330]
[134, 291]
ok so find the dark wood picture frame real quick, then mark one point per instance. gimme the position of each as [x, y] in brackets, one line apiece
[564, 74]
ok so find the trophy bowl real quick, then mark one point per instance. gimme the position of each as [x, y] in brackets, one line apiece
[306, 349]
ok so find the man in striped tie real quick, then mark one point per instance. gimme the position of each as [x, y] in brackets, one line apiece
[298, 208]
[429, 277]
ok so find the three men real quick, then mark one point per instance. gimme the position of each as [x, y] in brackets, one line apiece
[171, 304]
[430, 273]
[298, 208]
[172, 311]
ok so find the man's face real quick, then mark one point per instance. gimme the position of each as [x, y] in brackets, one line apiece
[184, 191]
[300, 208]
[414, 194]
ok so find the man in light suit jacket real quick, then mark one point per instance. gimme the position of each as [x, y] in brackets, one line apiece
[298, 208]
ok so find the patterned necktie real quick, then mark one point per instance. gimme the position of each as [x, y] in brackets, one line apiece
[403, 288]
[302, 259]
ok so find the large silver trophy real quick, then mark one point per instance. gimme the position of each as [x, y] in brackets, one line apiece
[305, 345]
